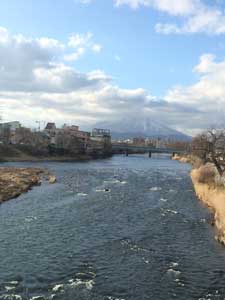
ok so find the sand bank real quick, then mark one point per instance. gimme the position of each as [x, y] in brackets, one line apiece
[15, 181]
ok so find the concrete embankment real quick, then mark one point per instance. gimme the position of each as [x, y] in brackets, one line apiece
[210, 189]
[15, 181]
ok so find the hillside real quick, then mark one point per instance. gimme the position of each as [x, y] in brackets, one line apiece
[129, 128]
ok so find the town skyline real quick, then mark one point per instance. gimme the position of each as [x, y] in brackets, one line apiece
[84, 62]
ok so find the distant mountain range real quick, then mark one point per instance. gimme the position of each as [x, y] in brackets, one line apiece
[127, 129]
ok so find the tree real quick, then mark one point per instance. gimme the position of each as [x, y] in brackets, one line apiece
[199, 146]
[69, 142]
[5, 135]
[23, 136]
[210, 146]
[179, 145]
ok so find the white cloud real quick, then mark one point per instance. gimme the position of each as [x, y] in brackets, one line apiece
[75, 55]
[117, 57]
[35, 82]
[83, 1]
[50, 43]
[173, 7]
[198, 16]
[195, 16]
[209, 89]
[96, 48]
[78, 40]
[81, 43]
[34, 65]
[207, 95]
[4, 35]
[206, 64]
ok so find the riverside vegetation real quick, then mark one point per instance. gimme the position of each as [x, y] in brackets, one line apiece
[208, 174]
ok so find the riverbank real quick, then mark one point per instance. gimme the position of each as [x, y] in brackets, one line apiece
[210, 189]
[15, 181]
[211, 194]
[62, 158]
[23, 153]
[195, 161]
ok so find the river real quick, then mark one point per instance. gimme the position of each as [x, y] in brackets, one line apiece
[122, 228]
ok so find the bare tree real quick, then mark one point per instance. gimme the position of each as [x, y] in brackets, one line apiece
[210, 146]
[179, 145]
[199, 146]
[23, 136]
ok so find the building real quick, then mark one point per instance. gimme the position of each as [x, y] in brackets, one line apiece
[139, 141]
[160, 143]
[101, 135]
[7, 131]
[50, 128]
[10, 125]
[84, 136]
[100, 142]
[72, 129]
[51, 131]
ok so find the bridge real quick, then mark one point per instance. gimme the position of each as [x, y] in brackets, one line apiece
[128, 148]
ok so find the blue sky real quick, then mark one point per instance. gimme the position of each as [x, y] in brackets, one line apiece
[138, 60]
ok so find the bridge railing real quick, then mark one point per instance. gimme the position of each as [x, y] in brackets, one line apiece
[145, 148]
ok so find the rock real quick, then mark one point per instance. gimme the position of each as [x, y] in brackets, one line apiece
[52, 179]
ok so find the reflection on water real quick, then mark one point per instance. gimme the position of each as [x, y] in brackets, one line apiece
[121, 228]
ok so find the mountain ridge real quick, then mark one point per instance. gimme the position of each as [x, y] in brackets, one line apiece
[127, 129]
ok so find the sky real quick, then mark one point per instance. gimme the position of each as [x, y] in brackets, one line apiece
[85, 61]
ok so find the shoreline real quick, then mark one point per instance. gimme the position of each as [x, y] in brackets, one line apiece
[211, 194]
[44, 159]
[214, 198]
[81, 158]
[16, 181]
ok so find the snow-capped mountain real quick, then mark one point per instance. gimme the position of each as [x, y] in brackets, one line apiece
[129, 128]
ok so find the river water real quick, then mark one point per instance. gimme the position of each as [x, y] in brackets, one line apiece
[121, 228]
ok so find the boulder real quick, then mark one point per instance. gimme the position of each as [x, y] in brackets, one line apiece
[52, 179]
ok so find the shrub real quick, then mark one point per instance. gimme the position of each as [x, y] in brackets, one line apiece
[206, 174]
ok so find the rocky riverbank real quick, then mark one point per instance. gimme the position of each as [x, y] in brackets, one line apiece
[15, 181]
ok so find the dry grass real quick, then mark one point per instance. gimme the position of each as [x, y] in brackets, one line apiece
[15, 181]
[206, 174]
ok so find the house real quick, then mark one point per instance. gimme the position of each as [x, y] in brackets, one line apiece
[51, 131]
[50, 127]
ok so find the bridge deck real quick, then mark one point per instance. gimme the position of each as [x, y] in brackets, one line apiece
[145, 149]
